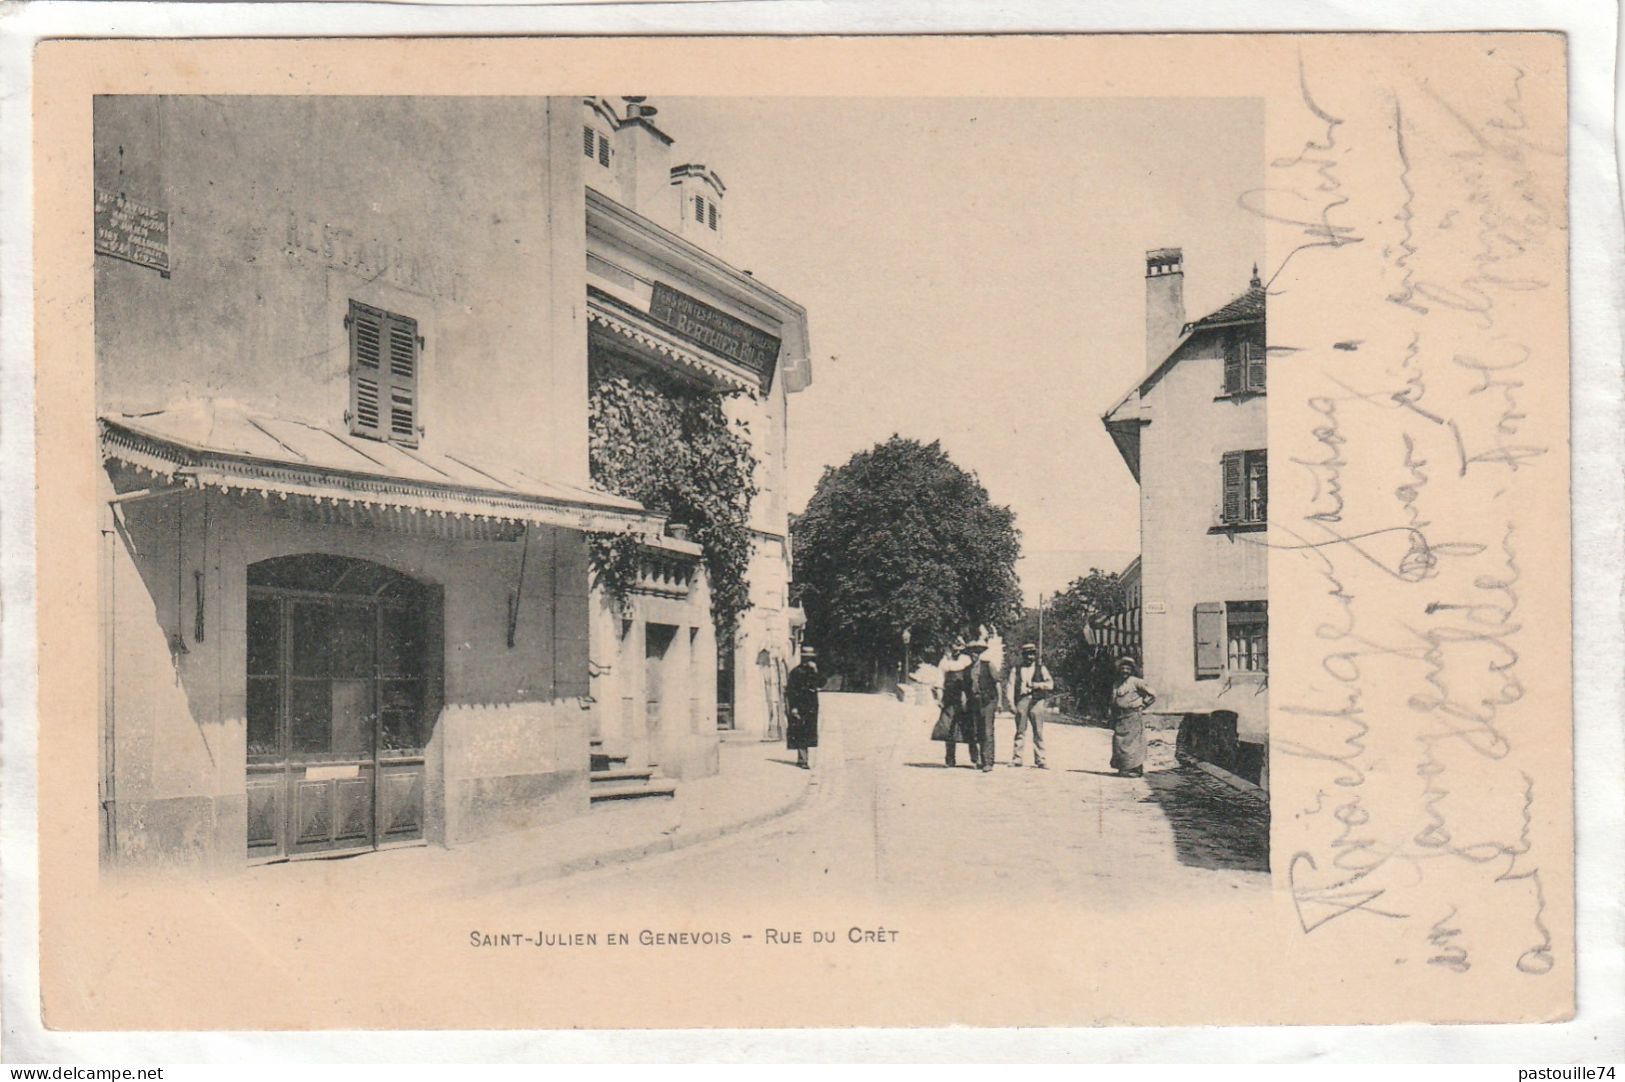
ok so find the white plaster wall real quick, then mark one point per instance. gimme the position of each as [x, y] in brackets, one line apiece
[464, 213]
[1183, 563]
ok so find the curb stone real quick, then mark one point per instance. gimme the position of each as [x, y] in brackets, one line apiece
[1237, 783]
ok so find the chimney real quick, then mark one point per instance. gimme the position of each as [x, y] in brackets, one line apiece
[700, 194]
[644, 162]
[1164, 303]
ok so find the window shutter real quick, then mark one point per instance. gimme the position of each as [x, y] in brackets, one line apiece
[586, 141]
[1230, 468]
[603, 149]
[366, 380]
[403, 379]
[711, 215]
[1258, 504]
[384, 358]
[699, 209]
[1233, 374]
[1208, 635]
[1253, 359]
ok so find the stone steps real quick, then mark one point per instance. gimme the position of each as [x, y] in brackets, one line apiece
[609, 779]
[617, 791]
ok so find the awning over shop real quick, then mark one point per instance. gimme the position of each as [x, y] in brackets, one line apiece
[343, 478]
[638, 333]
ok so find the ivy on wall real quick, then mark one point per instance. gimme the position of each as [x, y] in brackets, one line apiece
[674, 450]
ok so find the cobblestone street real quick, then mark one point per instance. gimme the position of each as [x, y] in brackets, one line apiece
[889, 820]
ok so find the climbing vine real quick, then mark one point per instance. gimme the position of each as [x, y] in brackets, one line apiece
[675, 451]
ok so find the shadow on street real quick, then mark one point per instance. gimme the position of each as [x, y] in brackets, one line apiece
[1214, 825]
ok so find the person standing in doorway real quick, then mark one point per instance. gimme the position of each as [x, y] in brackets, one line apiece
[801, 697]
[1129, 699]
[979, 696]
[1026, 685]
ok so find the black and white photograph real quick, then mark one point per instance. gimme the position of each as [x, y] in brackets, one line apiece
[556, 534]
[471, 483]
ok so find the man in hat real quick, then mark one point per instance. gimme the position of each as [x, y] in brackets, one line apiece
[801, 701]
[1026, 684]
[979, 696]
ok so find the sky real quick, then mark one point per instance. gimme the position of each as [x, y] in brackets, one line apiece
[974, 272]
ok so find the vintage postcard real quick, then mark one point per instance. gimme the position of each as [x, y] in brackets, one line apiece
[583, 532]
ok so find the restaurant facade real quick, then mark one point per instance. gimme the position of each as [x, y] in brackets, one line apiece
[343, 377]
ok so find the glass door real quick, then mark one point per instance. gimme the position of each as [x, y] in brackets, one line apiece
[337, 713]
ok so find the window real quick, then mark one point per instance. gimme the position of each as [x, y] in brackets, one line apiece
[1231, 637]
[384, 350]
[699, 209]
[1246, 636]
[711, 215]
[1245, 476]
[591, 138]
[1244, 362]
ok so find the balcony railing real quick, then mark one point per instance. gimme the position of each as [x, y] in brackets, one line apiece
[663, 574]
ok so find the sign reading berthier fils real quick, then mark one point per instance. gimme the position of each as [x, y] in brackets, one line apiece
[131, 230]
[715, 330]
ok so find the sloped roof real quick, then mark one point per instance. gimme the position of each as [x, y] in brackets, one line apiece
[1123, 423]
[1246, 308]
[222, 445]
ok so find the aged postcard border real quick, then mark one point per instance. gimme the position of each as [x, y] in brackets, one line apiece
[1579, 540]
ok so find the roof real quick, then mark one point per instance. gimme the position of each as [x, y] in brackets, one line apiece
[222, 445]
[1247, 308]
[1122, 423]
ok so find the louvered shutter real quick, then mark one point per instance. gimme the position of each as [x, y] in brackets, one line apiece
[1253, 360]
[1258, 498]
[367, 381]
[1207, 620]
[603, 149]
[403, 379]
[1233, 374]
[1231, 471]
[383, 374]
[586, 141]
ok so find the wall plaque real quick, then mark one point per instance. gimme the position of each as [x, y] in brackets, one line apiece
[133, 231]
[716, 330]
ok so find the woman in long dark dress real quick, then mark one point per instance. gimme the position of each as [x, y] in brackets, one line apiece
[1130, 697]
[801, 700]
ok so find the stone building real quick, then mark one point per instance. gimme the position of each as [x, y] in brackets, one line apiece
[342, 393]
[662, 297]
[1193, 432]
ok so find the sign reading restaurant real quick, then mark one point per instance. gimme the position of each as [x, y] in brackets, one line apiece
[130, 230]
[716, 330]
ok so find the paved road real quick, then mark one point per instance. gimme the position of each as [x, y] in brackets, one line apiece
[890, 823]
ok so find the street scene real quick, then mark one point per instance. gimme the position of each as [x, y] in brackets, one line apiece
[875, 829]
[767, 533]
[514, 550]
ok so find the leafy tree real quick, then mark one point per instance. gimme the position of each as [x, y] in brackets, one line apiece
[1083, 670]
[901, 538]
[673, 449]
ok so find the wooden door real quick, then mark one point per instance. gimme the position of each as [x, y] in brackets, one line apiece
[338, 708]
